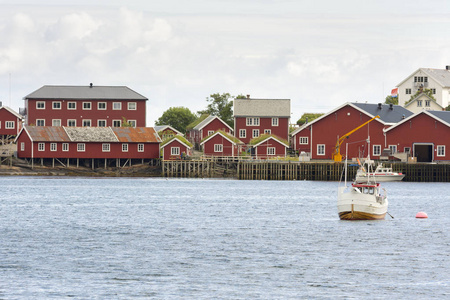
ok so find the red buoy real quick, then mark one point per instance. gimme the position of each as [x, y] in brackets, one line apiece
[421, 215]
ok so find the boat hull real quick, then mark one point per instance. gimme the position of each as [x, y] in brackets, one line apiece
[359, 215]
[380, 178]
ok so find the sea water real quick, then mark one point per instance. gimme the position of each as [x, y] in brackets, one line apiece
[140, 238]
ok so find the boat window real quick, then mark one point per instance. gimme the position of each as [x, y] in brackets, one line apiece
[365, 190]
[371, 191]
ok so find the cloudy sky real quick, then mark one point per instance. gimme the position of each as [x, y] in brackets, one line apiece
[320, 54]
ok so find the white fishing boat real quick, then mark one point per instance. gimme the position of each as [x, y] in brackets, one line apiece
[362, 200]
[381, 174]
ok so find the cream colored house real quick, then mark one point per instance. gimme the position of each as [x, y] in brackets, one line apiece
[422, 102]
[438, 80]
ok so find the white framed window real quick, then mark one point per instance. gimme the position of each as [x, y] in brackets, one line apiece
[0, 124]
[40, 105]
[419, 103]
[132, 106]
[175, 151]
[433, 91]
[393, 148]
[41, 146]
[56, 122]
[210, 132]
[440, 150]
[274, 121]
[270, 150]
[218, 148]
[117, 105]
[267, 131]
[427, 103]
[22, 146]
[71, 105]
[140, 147]
[252, 121]
[303, 140]
[106, 147]
[9, 124]
[242, 133]
[65, 147]
[87, 106]
[321, 149]
[117, 123]
[101, 123]
[81, 147]
[86, 123]
[376, 150]
[53, 146]
[407, 149]
[255, 133]
[132, 123]
[72, 123]
[40, 122]
[56, 104]
[408, 91]
[124, 147]
[101, 105]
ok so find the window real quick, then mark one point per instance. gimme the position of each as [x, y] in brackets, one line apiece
[86, 123]
[9, 124]
[270, 150]
[65, 147]
[86, 105]
[41, 147]
[252, 121]
[255, 133]
[393, 148]
[101, 106]
[56, 122]
[140, 147]
[117, 123]
[117, 105]
[419, 103]
[408, 91]
[210, 132]
[218, 148]
[81, 147]
[267, 131]
[175, 151]
[105, 147]
[274, 121]
[124, 147]
[72, 123]
[440, 150]
[40, 105]
[433, 91]
[407, 150]
[303, 140]
[242, 133]
[22, 146]
[376, 150]
[71, 105]
[52, 146]
[420, 79]
[321, 149]
[132, 123]
[56, 105]
[131, 105]
[40, 122]
[101, 123]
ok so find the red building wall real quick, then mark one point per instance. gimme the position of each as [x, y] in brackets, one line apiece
[7, 116]
[229, 149]
[282, 130]
[213, 126]
[80, 114]
[167, 150]
[261, 150]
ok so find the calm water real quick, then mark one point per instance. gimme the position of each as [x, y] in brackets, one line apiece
[224, 239]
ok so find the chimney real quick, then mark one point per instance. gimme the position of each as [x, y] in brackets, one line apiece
[1, 103]
[248, 96]
[391, 106]
[379, 105]
[403, 116]
[447, 68]
[91, 85]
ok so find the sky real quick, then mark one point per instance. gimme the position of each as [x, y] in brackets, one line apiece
[320, 54]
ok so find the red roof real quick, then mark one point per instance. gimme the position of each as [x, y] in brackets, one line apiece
[47, 134]
[136, 135]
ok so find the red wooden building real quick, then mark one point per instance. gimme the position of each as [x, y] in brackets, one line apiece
[167, 132]
[221, 144]
[269, 146]
[175, 148]
[85, 106]
[207, 126]
[10, 122]
[255, 117]
[68, 143]
[318, 138]
[423, 135]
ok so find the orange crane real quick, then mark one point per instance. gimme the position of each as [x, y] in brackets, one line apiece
[337, 149]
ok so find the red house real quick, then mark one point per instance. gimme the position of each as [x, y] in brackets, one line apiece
[255, 117]
[175, 148]
[423, 135]
[269, 146]
[85, 106]
[10, 122]
[167, 131]
[206, 126]
[318, 138]
[221, 144]
[68, 143]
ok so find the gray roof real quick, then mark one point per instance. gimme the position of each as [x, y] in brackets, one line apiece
[262, 107]
[442, 76]
[91, 134]
[387, 115]
[204, 122]
[443, 115]
[85, 92]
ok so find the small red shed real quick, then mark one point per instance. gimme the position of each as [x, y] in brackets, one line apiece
[10, 122]
[209, 125]
[269, 146]
[221, 144]
[175, 148]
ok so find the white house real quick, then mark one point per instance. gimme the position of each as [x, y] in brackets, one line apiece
[422, 102]
[438, 80]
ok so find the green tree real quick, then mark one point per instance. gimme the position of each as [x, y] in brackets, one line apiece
[307, 117]
[125, 123]
[447, 108]
[221, 106]
[391, 100]
[177, 117]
